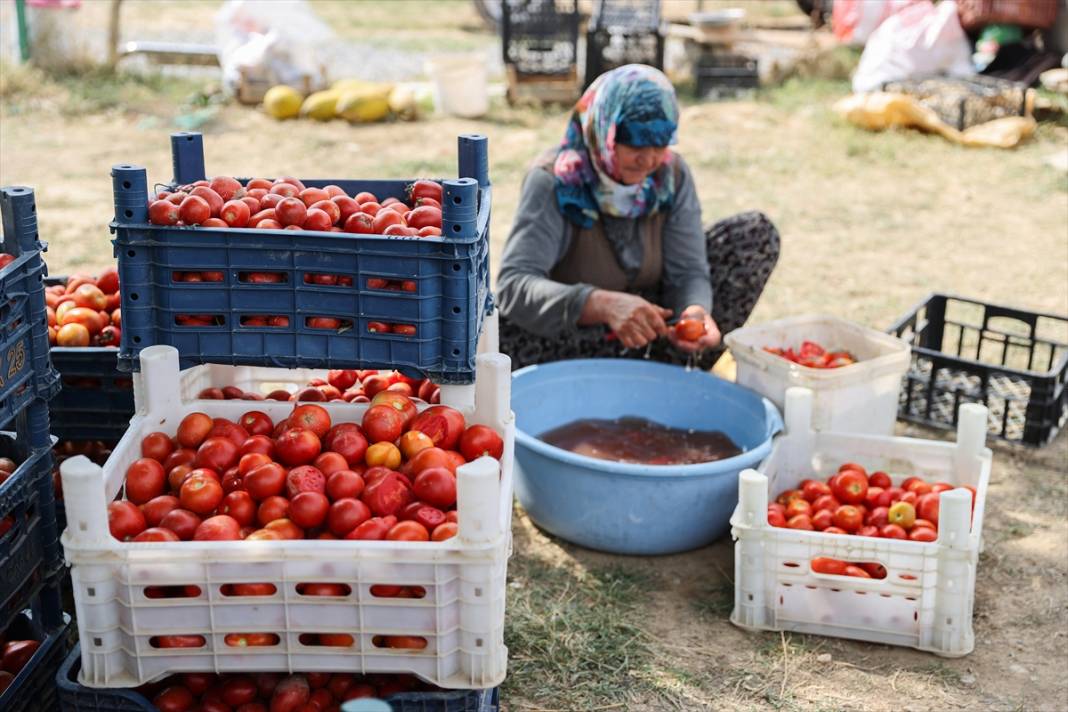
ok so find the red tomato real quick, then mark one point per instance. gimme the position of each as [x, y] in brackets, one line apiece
[383, 219]
[359, 223]
[407, 642]
[923, 534]
[318, 220]
[873, 497]
[163, 212]
[798, 506]
[375, 528]
[689, 329]
[853, 466]
[240, 506]
[291, 211]
[431, 457]
[388, 495]
[239, 690]
[479, 440]
[194, 210]
[346, 514]
[256, 422]
[157, 508]
[868, 530]
[801, 521]
[332, 210]
[893, 531]
[848, 518]
[157, 446]
[408, 531]
[827, 501]
[776, 518]
[309, 509]
[156, 534]
[182, 522]
[878, 517]
[218, 454]
[822, 519]
[297, 447]
[927, 507]
[344, 483]
[382, 423]
[145, 479]
[812, 490]
[266, 481]
[250, 589]
[850, 487]
[258, 444]
[330, 462]
[858, 572]
[305, 479]
[824, 565]
[398, 401]
[271, 509]
[290, 694]
[425, 189]
[879, 479]
[125, 520]
[194, 429]
[218, 528]
[424, 216]
[350, 444]
[429, 517]
[174, 699]
[310, 196]
[377, 327]
[198, 682]
[201, 493]
[446, 530]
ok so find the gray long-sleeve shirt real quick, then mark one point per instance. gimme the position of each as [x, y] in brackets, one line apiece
[541, 237]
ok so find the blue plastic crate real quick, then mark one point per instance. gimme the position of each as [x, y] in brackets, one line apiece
[30, 554]
[96, 400]
[25, 370]
[451, 273]
[74, 697]
[34, 688]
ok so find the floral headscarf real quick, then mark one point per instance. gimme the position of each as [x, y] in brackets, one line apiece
[634, 105]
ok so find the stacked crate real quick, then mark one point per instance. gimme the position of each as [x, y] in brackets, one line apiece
[30, 558]
[461, 615]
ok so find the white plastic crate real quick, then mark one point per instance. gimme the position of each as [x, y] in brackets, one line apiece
[861, 398]
[926, 599]
[461, 616]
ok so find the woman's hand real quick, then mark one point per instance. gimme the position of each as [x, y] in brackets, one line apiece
[635, 321]
[711, 338]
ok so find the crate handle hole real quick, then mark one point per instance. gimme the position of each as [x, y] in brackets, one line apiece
[98, 642]
[329, 640]
[91, 591]
[478, 642]
[749, 596]
[478, 592]
[323, 589]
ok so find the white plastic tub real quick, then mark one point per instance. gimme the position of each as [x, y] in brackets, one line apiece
[861, 398]
[461, 616]
[927, 597]
[460, 85]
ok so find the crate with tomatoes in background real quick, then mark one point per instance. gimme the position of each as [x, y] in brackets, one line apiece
[33, 645]
[868, 537]
[854, 372]
[350, 274]
[324, 690]
[204, 544]
[25, 370]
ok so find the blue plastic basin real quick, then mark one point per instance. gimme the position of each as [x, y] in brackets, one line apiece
[627, 508]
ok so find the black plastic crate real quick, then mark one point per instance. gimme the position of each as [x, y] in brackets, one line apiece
[540, 37]
[96, 400]
[1013, 361]
[75, 697]
[725, 73]
[34, 688]
[623, 32]
[25, 370]
[451, 274]
[30, 554]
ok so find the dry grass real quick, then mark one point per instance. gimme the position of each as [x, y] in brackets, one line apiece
[870, 223]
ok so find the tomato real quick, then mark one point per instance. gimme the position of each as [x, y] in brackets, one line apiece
[201, 493]
[304, 479]
[923, 534]
[221, 527]
[177, 641]
[375, 528]
[798, 506]
[265, 481]
[255, 422]
[223, 428]
[309, 509]
[388, 495]
[902, 514]
[853, 466]
[826, 501]
[110, 336]
[339, 684]
[156, 534]
[182, 522]
[850, 487]
[194, 210]
[689, 329]
[425, 189]
[239, 690]
[235, 213]
[825, 565]
[383, 454]
[163, 212]
[346, 514]
[350, 444]
[479, 440]
[878, 517]
[848, 518]
[384, 219]
[145, 479]
[893, 531]
[290, 694]
[297, 447]
[858, 572]
[346, 207]
[217, 453]
[382, 423]
[250, 462]
[261, 444]
[360, 223]
[317, 220]
[73, 336]
[194, 429]
[332, 210]
[291, 211]
[157, 508]
[776, 518]
[406, 642]
[429, 517]
[873, 498]
[174, 699]
[424, 216]
[879, 479]
[822, 519]
[272, 508]
[89, 318]
[801, 521]
[287, 191]
[90, 296]
[125, 520]
[813, 490]
[330, 462]
[378, 327]
[398, 401]
[198, 682]
[927, 508]
[240, 506]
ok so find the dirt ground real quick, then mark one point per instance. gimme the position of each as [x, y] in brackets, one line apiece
[870, 224]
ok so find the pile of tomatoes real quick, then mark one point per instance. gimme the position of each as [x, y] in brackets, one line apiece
[274, 692]
[347, 385]
[812, 355]
[286, 203]
[392, 476]
[85, 311]
[15, 655]
[854, 502]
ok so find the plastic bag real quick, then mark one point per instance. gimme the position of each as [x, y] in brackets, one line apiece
[877, 111]
[271, 42]
[853, 21]
[922, 39]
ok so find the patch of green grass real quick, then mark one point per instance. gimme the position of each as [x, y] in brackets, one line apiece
[574, 639]
[796, 93]
[716, 601]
